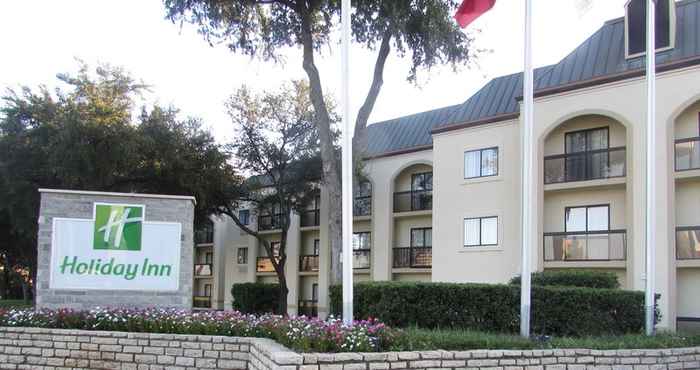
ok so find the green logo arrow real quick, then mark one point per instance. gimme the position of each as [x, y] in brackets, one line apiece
[118, 227]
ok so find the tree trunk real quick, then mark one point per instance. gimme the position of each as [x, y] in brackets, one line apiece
[331, 174]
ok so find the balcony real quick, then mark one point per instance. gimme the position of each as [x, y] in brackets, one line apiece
[416, 200]
[413, 257]
[688, 243]
[362, 206]
[203, 270]
[583, 166]
[310, 218]
[201, 301]
[204, 236]
[607, 245]
[308, 263]
[264, 264]
[687, 154]
[361, 258]
[308, 307]
[270, 222]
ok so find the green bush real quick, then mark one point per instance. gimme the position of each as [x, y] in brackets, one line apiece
[256, 298]
[578, 278]
[561, 311]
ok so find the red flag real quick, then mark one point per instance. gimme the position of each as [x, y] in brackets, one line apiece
[471, 10]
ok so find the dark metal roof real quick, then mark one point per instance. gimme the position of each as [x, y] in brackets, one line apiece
[601, 56]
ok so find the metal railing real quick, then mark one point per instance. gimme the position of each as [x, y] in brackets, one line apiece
[413, 257]
[264, 264]
[310, 218]
[362, 258]
[687, 155]
[588, 165]
[606, 245]
[688, 242]
[308, 307]
[200, 301]
[270, 222]
[204, 236]
[362, 206]
[203, 269]
[415, 200]
[308, 262]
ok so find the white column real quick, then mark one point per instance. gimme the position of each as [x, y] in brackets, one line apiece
[347, 164]
[527, 176]
[651, 170]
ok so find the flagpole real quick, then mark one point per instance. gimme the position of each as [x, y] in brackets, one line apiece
[651, 170]
[346, 165]
[527, 176]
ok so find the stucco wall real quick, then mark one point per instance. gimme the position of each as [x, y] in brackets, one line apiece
[68, 204]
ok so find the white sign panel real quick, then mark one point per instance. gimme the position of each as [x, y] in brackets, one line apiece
[116, 250]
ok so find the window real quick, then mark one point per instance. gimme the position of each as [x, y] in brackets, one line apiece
[275, 248]
[209, 257]
[480, 231]
[361, 241]
[317, 247]
[422, 237]
[422, 181]
[636, 22]
[314, 292]
[364, 189]
[244, 216]
[481, 163]
[207, 290]
[587, 218]
[242, 256]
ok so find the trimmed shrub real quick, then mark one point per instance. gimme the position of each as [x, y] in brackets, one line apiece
[257, 298]
[578, 278]
[561, 311]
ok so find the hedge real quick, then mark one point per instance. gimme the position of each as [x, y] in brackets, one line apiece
[561, 311]
[257, 298]
[578, 278]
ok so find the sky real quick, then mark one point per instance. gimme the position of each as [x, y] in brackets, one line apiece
[41, 38]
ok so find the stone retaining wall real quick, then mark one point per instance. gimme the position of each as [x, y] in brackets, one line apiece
[33, 348]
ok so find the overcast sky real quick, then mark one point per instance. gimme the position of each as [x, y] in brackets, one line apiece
[43, 38]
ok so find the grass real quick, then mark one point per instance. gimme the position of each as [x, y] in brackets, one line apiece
[14, 303]
[455, 339]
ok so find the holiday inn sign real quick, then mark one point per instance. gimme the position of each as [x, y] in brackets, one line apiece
[117, 249]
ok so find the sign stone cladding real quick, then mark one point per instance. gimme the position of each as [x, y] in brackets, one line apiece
[170, 216]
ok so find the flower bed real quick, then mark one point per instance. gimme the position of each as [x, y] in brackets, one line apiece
[301, 333]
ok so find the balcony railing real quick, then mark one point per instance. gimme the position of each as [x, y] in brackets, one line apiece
[308, 262]
[589, 165]
[363, 206]
[203, 269]
[270, 222]
[413, 257]
[687, 154]
[308, 307]
[688, 243]
[416, 200]
[310, 218]
[200, 301]
[204, 236]
[608, 245]
[264, 264]
[361, 258]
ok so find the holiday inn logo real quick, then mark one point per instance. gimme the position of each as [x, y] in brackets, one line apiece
[118, 227]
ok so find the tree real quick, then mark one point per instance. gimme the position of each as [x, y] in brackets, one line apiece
[83, 137]
[277, 145]
[422, 29]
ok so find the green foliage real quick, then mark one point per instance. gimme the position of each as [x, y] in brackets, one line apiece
[256, 298]
[561, 311]
[84, 137]
[7, 304]
[423, 30]
[578, 278]
[416, 339]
